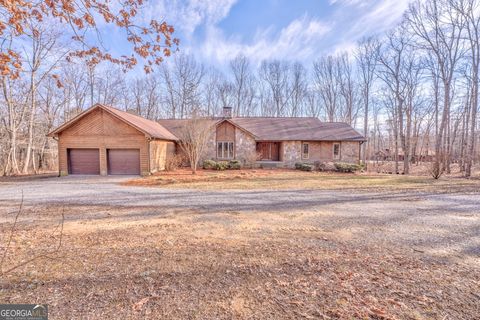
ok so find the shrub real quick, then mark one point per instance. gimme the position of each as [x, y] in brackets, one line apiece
[436, 170]
[303, 166]
[346, 167]
[320, 166]
[174, 162]
[234, 164]
[209, 164]
[221, 165]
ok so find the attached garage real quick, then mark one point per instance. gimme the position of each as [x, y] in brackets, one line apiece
[104, 140]
[123, 161]
[83, 161]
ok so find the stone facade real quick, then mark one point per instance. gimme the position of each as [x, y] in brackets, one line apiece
[350, 151]
[290, 151]
[245, 147]
[319, 151]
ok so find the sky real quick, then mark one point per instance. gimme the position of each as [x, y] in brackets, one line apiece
[216, 31]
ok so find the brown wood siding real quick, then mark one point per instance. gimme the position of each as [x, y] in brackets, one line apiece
[83, 161]
[123, 161]
[269, 150]
[160, 151]
[226, 132]
[102, 131]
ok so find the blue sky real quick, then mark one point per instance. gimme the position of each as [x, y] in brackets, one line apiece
[215, 31]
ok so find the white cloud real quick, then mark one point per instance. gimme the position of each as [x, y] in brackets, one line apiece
[297, 41]
[186, 16]
[380, 17]
[304, 38]
[348, 2]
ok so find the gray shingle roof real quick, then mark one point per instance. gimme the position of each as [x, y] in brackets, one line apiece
[283, 129]
[175, 126]
[307, 129]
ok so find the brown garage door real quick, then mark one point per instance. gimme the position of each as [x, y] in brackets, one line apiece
[123, 161]
[83, 161]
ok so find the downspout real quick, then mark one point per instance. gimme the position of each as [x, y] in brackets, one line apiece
[149, 139]
[360, 152]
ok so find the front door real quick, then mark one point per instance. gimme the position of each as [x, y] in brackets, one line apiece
[269, 150]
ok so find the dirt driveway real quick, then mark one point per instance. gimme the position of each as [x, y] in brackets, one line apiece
[255, 253]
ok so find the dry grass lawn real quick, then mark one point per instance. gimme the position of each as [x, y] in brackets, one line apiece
[281, 179]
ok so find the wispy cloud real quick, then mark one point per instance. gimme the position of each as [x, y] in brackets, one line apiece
[304, 38]
[293, 42]
[189, 15]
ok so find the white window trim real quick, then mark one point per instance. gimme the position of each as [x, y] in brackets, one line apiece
[308, 153]
[338, 157]
[224, 154]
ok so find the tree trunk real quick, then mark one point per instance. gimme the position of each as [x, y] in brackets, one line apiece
[33, 107]
[473, 118]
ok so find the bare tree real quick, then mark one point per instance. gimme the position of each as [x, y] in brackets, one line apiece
[366, 57]
[326, 76]
[439, 31]
[194, 138]
[348, 89]
[469, 9]
[242, 80]
[298, 89]
[183, 82]
[392, 61]
[41, 61]
[275, 75]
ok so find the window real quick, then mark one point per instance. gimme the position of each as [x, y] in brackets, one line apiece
[305, 151]
[336, 151]
[225, 150]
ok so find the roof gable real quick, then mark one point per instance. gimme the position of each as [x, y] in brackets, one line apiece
[149, 128]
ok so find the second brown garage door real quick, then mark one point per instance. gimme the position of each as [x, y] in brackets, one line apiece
[123, 161]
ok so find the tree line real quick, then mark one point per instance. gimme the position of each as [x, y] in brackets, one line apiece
[413, 92]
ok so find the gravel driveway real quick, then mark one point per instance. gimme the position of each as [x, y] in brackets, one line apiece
[234, 254]
[444, 224]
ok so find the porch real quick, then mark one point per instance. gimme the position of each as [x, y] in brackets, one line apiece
[269, 151]
[268, 164]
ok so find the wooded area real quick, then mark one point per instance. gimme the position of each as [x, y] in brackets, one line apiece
[413, 92]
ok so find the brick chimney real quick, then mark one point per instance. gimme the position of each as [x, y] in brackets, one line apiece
[227, 112]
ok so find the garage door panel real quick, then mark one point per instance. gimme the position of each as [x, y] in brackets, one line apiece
[123, 161]
[84, 161]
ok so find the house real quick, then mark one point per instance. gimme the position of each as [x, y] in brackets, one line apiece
[103, 140]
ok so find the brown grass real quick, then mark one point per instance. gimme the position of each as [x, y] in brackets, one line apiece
[279, 179]
[127, 262]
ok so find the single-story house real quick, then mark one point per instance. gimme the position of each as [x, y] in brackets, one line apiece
[103, 140]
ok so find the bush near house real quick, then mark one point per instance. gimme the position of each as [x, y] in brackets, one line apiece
[209, 164]
[304, 166]
[234, 165]
[174, 162]
[222, 165]
[347, 167]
